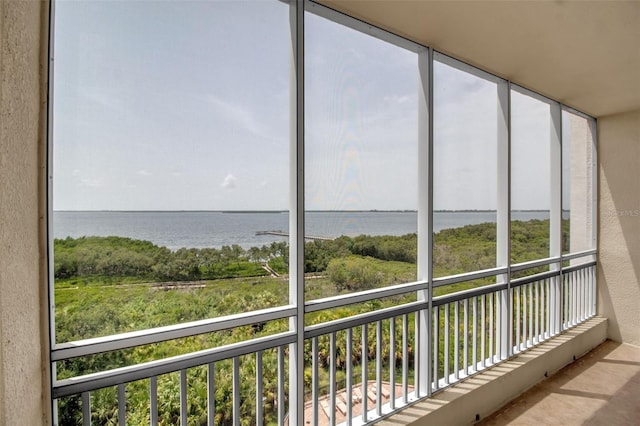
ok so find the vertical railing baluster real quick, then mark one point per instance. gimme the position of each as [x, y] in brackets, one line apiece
[558, 301]
[594, 290]
[405, 358]
[530, 325]
[392, 363]
[497, 326]
[280, 385]
[379, 368]
[524, 317]
[314, 380]
[582, 294]
[548, 307]
[86, 409]
[583, 289]
[365, 373]
[518, 318]
[436, 347]
[552, 305]
[491, 324]
[183, 397]
[456, 341]
[537, 308]
[569, 300]
[236, 391]
[211, 394]
[474, 355]
[576, 285]
[332, 379]
[259, 392]
[565, 301]
[153, 401]
[122, 405]
[349, 356]
[54, 408]
[465, 345]
[416, 355]
[587, 284]
[574, 291]
[446, 344]
[483, 335]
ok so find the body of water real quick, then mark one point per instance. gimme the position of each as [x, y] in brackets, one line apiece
[214, 229]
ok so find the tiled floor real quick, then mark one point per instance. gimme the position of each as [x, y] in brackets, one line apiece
[601, 388]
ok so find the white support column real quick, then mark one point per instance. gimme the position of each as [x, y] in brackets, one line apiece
[555, 208]
[503, 210]
[594, 208]
[296, 213]
[594, 183]
[425, 210]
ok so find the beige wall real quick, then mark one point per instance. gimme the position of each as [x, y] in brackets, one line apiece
[24, 395]
[619, 225]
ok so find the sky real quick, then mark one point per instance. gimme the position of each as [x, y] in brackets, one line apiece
[166, 105]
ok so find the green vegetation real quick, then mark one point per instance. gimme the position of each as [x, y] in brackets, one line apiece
[108, 285]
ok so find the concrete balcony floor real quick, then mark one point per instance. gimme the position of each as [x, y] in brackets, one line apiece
[601, 388]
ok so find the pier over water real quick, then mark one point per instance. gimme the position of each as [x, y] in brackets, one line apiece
[286, 234]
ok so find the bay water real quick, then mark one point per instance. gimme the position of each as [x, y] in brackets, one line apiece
[200, 229]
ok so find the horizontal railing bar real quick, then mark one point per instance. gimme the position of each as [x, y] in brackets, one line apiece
[363, 296]
[160, 334]
[365, 318]
[544, 275]
[574, 268]
[467, 294]
[533, 278]
[468, 276]
[534, 263]
[579, 254]
[102, 379]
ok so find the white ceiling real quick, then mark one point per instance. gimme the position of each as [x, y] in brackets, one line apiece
[585, 54]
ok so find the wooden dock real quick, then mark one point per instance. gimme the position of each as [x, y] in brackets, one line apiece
[286, 234]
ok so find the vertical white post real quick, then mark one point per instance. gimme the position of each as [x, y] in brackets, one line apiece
[153, 402]
[236, 394]
[425, 211]
[503, 211]
[86, 409]
[211, 396]
[555, 208]
[50, 224]
[593, 134]
[594, 209]
[259, 391]
[296, 213]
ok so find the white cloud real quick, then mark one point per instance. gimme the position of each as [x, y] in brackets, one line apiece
[229, 181]
[91, 183]
[263, 184]
[143, 172]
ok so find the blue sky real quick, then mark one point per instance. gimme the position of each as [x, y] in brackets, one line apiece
[185, 106]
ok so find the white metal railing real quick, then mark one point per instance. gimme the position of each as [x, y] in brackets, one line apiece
[471, 330]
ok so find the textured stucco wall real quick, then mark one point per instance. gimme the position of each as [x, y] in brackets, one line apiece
[619, 225]
[23, 372]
